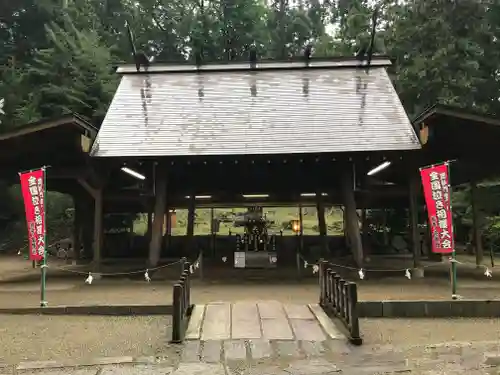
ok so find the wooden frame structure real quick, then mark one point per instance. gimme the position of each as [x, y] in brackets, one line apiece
[99, 186]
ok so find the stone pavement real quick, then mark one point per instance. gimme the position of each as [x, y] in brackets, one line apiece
[267, 320]
[331, 357]
[269, 338]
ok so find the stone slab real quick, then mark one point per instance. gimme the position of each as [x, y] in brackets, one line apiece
[62, 371]
[235, 350]
[260, 349]
[312, 348]
[136, 370]
[34, 365]
[325, 322]
[277, 329]
[217, 322]
[298, 311]
[191, 351]
[211, 351]
[245, 321]
[287, 348]
[312, 367]
[271, 310]
[199, 369]
[193, 331]
[305, 329]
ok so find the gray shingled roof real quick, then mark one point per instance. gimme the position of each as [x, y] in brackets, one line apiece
[235, 112]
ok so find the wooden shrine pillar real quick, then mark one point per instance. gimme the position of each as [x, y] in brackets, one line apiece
[98, 229]
[385, 214]
[149, 224]
[352, 222]
[87, 214]
[364, 232]
[190, 225]
[98, 235]
[478, 243]
[414, 184]
[320, 209]
[78, 223]
[160, 184]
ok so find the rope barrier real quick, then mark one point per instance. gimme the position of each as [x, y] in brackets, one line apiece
[407, 271]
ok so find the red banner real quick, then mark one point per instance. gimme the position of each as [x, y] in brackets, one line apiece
[437, 195]
[33, 189]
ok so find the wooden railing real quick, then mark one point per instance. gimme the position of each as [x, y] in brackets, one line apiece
[339, 298]
[181, 303]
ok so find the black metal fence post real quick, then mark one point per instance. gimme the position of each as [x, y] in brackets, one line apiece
[329, 290]
[177, 328]
[352, 290]
[188, 284]
[183, 264]
[339, 298]
[336, 294]
[322, 280]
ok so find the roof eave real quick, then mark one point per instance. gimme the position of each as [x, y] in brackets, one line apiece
[377, 61]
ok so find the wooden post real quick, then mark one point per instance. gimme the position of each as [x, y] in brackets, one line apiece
[149, 229]
[320, 208]
[478, 244]
[414, 231]
[364, 231]
[386, 233]
[301, 223]
[352, 216]
[98, 229]
[213, 232]
[77, 226]
[190, 225]
[160, 184]
[87, 227]
[300, 251]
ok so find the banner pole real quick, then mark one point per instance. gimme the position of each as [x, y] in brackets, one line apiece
[453, 253]
[43, 302]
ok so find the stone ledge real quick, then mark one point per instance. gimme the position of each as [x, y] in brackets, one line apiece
[117, 310]
[470, 308]
[100, 361]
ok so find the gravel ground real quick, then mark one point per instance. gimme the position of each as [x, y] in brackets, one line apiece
[410, 332]
[49, 337]
[73, 292]
[37, 338]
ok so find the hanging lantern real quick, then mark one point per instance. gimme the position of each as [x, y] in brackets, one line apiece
[295, 225]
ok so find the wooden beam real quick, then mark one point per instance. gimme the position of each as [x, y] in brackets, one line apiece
[190, 225]
[159, 215]
[414, 183]
[352, 222]
[98, 229]
[478, 243]
[92, 191]
[320, 209]
[77, 227]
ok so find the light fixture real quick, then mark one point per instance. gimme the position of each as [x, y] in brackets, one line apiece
[295, 226]
[133, 173]
[312, 194]
[379, 168]
[199, 196]
[255, 196]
